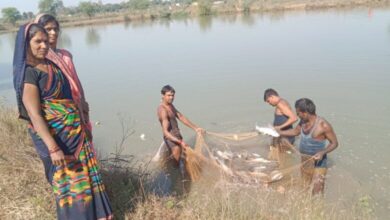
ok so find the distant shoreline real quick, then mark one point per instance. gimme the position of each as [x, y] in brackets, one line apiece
[195, 10]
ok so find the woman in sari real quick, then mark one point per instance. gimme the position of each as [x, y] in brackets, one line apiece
[64, 60]
[45, 100]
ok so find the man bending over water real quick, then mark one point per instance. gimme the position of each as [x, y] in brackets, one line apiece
[167, 115]
[314, 133]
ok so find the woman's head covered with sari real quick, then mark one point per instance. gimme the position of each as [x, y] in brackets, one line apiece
[65, 148]
[63, 59]
[44, 18]
[22, 49]
[52, 27]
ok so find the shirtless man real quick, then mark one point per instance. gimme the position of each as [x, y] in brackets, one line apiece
[167, 115]
[284, 117]
[314, 133]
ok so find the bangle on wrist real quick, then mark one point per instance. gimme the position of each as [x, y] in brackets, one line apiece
[52, 151]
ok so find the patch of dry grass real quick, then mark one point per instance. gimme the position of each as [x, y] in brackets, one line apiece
[24, 191]
[228, 201]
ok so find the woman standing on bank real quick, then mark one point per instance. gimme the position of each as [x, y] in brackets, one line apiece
[45, 100]
[64, 60]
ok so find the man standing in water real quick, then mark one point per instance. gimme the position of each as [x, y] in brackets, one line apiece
[284, 118]
[314, 133]
[167, 115]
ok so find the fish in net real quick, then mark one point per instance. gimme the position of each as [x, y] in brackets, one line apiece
[244, 158]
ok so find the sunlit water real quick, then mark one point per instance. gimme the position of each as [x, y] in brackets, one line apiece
[220, 68]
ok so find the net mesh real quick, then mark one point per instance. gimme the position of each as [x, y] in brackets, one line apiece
[251, 161]
[246, 158]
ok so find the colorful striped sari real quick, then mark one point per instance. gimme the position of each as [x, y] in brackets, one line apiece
[79, 191]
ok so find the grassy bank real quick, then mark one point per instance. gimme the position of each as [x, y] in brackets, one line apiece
[206, 7]
[226, 201]
[25, 194]
[24, 191]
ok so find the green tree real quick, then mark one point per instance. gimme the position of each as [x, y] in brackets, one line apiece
[139, 4]
[50, 6]
[92, 37]
[88, 8]
[11, 15]
[28, 15]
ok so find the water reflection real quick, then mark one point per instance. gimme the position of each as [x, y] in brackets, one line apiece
[248, 19]
[92, 37]
[5, 77]
[166, 22]
[65, 41]
[229, 19]
[388, 28]
[182, 19]
[6, 71]
[276, 16]
[205, 23]
[11, 40]
[5, 86]
[126, 23]
[136, 24]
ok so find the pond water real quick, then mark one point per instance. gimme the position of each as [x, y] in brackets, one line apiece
[220, 67]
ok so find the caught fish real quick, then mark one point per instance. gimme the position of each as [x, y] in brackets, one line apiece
[256, 155]
[229, 154]
[224, 155]
[259, 160]
[276, 175]
[262, 176]
[258, 169]
[237, 155]
[267, 131]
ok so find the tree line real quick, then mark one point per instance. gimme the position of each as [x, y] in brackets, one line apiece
[56, 7]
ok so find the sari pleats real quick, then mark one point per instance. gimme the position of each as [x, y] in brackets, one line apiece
[77, 186]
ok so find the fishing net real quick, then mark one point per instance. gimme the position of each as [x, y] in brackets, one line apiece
[250, 162]
[248, 158]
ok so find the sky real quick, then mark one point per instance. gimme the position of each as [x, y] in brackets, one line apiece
[32, 5]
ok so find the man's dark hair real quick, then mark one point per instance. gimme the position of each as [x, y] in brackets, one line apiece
[47, 19]
[305, 105]
[268, 93]
[166, 89]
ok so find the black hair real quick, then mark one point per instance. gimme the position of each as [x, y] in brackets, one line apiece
[305, 105]
[269, 92]
[44, 19]
[33, 29]
[166, 89]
